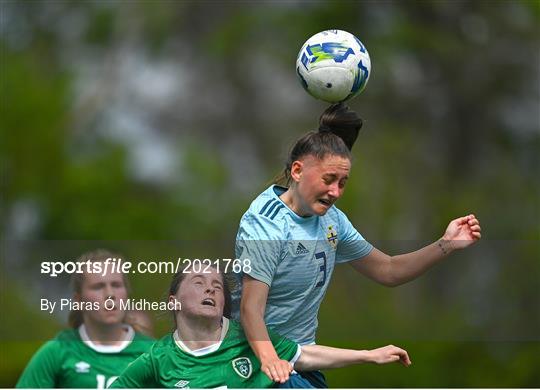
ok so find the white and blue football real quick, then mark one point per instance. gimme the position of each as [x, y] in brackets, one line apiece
[333, 66]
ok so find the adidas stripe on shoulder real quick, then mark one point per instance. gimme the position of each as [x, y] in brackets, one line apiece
[271, 208]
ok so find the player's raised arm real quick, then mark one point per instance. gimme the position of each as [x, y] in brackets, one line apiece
[395, 270]
[252, 307]
[320, 357]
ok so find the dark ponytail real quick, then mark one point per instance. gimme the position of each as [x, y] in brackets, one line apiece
[338, 130]
[341, 121]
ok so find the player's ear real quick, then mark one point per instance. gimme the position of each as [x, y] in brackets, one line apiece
[296, 170]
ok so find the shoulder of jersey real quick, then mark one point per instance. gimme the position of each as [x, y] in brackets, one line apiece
[68, 335]
[162, 346]
[144, 338]
[235, 334]
[267, 206]
[166, 341]
[66, 340]
[334, 212]
[235, 329]
[142, 343]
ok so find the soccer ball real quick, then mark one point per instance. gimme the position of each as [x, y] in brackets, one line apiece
[333, 66]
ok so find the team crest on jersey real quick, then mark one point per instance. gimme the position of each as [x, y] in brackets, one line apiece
[82, 367]
[243, 367]
[331, 236]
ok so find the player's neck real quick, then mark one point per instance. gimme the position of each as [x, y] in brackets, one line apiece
[105, 334]
[197, 333]
[292, 201]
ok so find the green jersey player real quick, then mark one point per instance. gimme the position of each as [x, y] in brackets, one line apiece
[72, 360]
[98, 347]
[208, 351]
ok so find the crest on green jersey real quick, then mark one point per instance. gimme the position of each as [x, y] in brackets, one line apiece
[243, 367]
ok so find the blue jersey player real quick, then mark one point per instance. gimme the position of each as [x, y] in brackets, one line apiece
[294, 236]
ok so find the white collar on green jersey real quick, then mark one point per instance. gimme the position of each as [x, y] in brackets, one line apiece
[206, 350]
[107, 348]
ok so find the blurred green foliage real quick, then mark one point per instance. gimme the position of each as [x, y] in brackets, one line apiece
[452, 126]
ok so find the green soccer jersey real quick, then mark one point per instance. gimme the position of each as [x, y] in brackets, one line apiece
[231, 363]
[72, 360]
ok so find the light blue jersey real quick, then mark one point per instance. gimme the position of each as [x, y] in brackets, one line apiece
[295, 256]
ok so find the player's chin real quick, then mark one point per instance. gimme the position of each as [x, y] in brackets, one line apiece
[113, 316]
[111, 320]
[320, 209]
[210, 312]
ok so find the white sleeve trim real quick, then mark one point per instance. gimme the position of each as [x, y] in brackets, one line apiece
[296, 356]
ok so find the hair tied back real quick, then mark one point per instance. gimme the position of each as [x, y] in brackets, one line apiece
[324, 128]
[341, 121]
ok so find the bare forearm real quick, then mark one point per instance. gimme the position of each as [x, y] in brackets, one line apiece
[319, 357]
[409, 266]
[252, 307]
[395, 270]
[257, 334]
